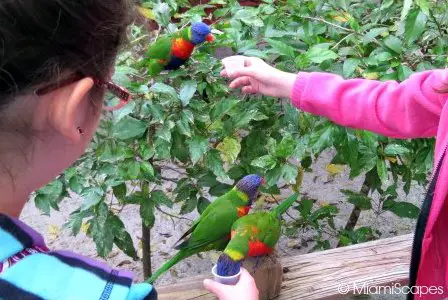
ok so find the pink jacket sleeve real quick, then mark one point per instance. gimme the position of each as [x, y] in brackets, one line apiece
[410, 109]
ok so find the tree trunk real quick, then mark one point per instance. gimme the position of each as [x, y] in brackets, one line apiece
[146, 247]
[354, 216]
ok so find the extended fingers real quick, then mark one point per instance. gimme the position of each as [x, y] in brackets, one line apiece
[239, 82]
[216, 288]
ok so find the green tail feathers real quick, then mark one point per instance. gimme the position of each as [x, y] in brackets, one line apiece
[283, 207]
[173, 261]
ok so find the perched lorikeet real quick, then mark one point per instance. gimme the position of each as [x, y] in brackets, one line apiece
[212, 230]
[172, 51]
[252, 235]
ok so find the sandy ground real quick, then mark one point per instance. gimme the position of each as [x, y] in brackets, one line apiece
[317, 185]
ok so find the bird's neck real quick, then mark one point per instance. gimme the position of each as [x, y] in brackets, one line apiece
[241, 198]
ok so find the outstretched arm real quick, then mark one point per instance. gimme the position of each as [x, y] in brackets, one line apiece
[410, 109]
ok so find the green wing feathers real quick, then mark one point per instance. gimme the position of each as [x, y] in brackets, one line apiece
[215, 222]
[160, 49]
[213, 226]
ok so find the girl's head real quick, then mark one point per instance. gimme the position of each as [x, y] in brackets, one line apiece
[42, 43]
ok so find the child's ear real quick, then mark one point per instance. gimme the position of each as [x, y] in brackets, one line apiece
[69, 107]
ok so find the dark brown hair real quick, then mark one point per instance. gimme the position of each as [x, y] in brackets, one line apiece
[42, 39]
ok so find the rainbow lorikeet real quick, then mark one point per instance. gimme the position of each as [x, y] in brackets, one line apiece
[212, 230]
[252, 235]
[172, 51]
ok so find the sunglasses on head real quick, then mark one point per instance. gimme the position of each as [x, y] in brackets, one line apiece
[115, 98]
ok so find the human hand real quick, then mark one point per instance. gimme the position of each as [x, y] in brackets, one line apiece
[258, 77]
[245, 289]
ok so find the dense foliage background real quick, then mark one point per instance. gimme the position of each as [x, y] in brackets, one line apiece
[189, 119]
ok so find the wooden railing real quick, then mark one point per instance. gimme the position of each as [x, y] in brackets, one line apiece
[319, 275]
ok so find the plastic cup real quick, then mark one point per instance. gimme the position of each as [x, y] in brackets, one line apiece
[233, 63]
[228, 280]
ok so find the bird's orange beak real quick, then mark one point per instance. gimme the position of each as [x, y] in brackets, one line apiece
[210, 37]
[263, 181]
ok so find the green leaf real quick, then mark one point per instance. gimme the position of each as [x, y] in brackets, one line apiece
[382, 170]
[162, 88]
[75, 220]
[164, 133]
[289, 173]
[159, 198]
[372, 34]
[394, 43]
[221, 108]
[147, 170]
[282, 48]
[395, 149]
[42, 202]
[124, 111]
[207, 180]
[53, 189]
[101, 231]
[402, 209]
[266, 162]
[203, 203]
[350, 66]
[424, 6]
[122, 238]
[49, 196]
[145, 151]
[219, 189]
[249, 16]
[273, 176]
[91, 196]
[187, 90]
[157, 112]
[197, 146]
[229, 148]
[147, 212]
[326, 211]
[320, 53]
[405, 10]
[128, 127]
[184, 126]
[189, 205]
[214, 163]
[120, 191]
[75, 184]
[415, 25]
[358, 199]
[404, 72]
[305, 207]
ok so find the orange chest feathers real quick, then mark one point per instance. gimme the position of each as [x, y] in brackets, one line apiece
[242, 211]
[182, 48]
[257, 248]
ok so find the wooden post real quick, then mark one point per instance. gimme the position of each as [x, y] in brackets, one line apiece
[268, 273]
[318, 275]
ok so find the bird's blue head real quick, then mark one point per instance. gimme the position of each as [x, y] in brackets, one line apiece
[249, 184]
[227, 266]
[200, 32]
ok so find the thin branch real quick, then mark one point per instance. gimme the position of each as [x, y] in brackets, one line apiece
[343, 39]
[173, 216]
[169, 168]
[328, 23]
[139, 39]
[169, 179]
